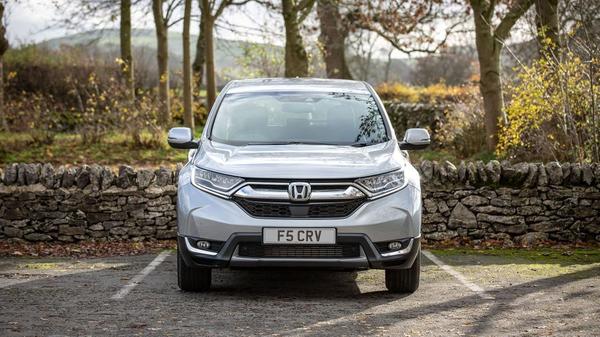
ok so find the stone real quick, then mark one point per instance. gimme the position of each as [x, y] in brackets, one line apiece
[530, 210]
[532, 176]
[441, 236]
[501, 219]
[542, 175]
[166, 234]
[144, 178]
[545, 226]
[96, 227]
[38, 237]
[461, 216]
[430, 205]
[10, 174]
[576, 174]
[554, 171]
[514, 175]
[489, 209]
[443, 207]
[462, 172]
[532, 239]
[126, 176]
[494, 171]
[472, 178]
[163, 177]
[587, 175]
[118, 231]
[47, 175]
[451, 171]
[32, 173]
[68, 178]
[107, 178]
[13, 232]
[481, 172]
[474, 200]
[427, 169]
[68, 230]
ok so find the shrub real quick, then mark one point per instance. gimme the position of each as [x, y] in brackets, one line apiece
[463, 131]
[553, 114]
[436, 93]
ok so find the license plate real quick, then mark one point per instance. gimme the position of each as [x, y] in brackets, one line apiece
[299, 236]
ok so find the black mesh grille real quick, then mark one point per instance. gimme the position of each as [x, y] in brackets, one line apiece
[256, 249]
[270, 209]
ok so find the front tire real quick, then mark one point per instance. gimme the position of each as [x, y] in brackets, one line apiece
[192, 279]
[404, 280]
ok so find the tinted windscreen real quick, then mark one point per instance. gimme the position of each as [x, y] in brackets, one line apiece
[293, 117]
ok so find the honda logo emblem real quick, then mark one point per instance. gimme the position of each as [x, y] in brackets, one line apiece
[299, 191]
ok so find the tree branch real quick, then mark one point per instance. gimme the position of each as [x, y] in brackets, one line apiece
[519, 8]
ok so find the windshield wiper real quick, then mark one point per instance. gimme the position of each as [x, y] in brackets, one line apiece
[290, 143]
[360, 144]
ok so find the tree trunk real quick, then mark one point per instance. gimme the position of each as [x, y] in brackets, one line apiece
[490, 85]
[3, 48]
[296, 59]
[333, 38]
[126, 56]
[388, 66]
[162, 56]
[546, 20]
[211, 82]
[198, 65]
[188, 115]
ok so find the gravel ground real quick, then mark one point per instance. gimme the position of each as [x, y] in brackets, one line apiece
[66, 297]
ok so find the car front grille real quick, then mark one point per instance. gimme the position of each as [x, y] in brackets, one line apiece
[256, 249]
[275, 209]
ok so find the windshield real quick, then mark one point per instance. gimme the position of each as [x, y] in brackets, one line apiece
[299, 117]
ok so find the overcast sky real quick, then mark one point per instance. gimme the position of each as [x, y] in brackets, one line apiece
[35, 21]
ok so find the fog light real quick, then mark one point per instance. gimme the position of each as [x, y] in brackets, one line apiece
[203, 244]
[395, 245]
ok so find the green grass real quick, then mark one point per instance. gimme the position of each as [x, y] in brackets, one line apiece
[67, 149]
[539, 255]
[442, 155]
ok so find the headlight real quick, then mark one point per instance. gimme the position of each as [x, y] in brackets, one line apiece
[214, 182]
[383, 183]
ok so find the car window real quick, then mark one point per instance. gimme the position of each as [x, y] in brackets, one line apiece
[299, 117]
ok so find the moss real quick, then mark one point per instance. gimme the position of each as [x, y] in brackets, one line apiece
[530, 256]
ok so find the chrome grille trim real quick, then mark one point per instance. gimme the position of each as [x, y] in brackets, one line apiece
[253, 191]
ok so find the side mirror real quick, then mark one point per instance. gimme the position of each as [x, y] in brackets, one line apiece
[415, 139]
[181, 138]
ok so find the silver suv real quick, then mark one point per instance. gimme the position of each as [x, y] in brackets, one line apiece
[298, 173]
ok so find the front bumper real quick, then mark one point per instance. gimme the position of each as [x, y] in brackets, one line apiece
[370, 257]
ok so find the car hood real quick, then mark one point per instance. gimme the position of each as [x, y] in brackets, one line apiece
[299, 161]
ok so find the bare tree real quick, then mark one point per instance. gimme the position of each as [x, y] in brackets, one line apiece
[125, 41]
[211, 10]
[490, 40]
[409, 25]
[163, 19]
[199, 60]
[3, 48]
[294, 13]
[334, 32]
[188, 114]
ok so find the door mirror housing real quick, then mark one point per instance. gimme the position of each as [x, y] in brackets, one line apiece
[415, 139]
[182, 138]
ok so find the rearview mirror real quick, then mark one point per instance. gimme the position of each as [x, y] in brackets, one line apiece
[415, 139]
[181, 138]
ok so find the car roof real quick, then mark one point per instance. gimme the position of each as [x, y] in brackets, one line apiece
[297, 84]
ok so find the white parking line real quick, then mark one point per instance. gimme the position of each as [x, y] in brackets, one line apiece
[139, 277]
[472, 286]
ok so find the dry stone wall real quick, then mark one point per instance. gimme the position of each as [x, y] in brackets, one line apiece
[521, 203]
